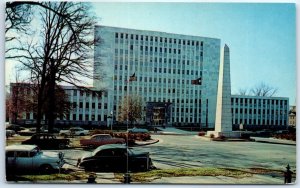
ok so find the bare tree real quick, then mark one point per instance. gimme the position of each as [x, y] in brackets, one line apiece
[263, 90]
[243, 91]
[17, 18]
[131, 109]
[62, 55]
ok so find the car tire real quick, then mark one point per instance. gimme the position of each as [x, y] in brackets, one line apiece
[81, 134]
[46, 169]
[61, 146]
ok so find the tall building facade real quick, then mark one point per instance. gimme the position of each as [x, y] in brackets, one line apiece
[179, 72]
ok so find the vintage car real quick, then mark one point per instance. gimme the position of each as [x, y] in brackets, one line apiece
[27, 132]
[30, 159]
[47, 141]
[10, 133]
[114, 158]
[99, 140]
[15, 128]
[137, 130]
[74, 131]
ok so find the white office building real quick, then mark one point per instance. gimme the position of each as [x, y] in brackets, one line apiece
[165, 66]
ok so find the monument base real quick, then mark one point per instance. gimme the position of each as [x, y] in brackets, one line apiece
[227, 134]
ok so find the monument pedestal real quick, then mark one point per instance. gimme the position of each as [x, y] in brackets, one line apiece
[227, 134]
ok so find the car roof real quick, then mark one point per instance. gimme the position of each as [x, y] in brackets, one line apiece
[20, 147]
[101, 134]
[111, 146]
[40, 134]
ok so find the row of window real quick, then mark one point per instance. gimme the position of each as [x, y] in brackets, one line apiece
[158, 39]
[81, 116]
[87, 105]
[259, 122]
[264, 111]
[148, 60]
[240, 101]
[87, 93]
[164, 70]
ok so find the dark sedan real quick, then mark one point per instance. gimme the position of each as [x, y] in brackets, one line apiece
[47, 141]
[114, 158]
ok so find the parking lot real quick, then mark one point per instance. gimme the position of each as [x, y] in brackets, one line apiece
[190, 151]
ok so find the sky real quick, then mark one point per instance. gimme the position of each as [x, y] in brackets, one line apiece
[261, 37]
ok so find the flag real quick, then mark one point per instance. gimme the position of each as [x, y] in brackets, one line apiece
[132, 78]
[197, 81]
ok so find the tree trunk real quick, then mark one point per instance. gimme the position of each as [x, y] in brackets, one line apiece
[51, 97]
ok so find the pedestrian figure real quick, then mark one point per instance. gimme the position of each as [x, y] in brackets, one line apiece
[288, 175]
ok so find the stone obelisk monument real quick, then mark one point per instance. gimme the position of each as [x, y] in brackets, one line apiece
[223, 122]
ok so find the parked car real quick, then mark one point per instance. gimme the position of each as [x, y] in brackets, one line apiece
[15, 128]
[29, 158]
[138, 130]
[10, 133]
[54, 130]
[74, 131]
[114, 158]
[27, 132]
[47, 141]
[100, 139]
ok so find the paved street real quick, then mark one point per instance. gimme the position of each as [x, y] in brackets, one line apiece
[191, 151]
[174, 151]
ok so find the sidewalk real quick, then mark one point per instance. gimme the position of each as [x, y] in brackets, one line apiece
[144, 143]
[274, 141]
[173, 131]
[109, 178]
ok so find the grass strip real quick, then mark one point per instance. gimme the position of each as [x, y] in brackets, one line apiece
[144, 177]
[53, 177]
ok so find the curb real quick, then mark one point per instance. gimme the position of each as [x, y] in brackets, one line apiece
[175, 134]
[154, 142]
[268, 142]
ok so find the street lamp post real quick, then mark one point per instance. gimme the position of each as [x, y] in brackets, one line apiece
[110, 116]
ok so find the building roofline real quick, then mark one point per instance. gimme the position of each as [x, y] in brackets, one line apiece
[258, 97]
[141, 30]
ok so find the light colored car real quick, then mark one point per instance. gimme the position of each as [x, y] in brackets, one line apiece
[10, 133]
[138, 130]
[74, 131]
[100, 139]
[29, 158]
